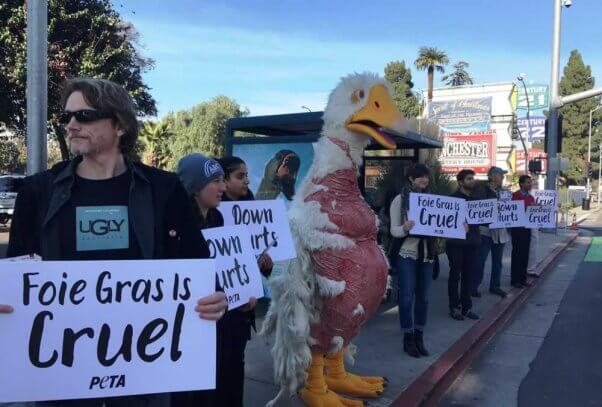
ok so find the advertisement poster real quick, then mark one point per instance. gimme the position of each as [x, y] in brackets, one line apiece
[538, 97]
[519, 158]
[536, 129]
[468, 151]
[276, 170]
[462, 115]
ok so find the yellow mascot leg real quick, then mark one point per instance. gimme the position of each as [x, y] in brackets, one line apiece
[316, 393]
[340, 381]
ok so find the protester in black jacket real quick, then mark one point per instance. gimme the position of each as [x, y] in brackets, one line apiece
[53, 207]
[463, 257]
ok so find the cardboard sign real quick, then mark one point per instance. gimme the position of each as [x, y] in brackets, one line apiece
[437, 215]
[511, 214]
[235, 263]
[545, 197]
[86, 329]
[541, 217]
[268, 223]
[481, 211]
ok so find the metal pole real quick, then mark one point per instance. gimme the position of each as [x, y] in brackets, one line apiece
[528, 127]
[599, 172]
[552, 143]
[589, 152]
[37, 84]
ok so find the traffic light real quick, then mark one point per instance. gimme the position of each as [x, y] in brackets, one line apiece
[589, 169]
[535, 166]
[559, 144]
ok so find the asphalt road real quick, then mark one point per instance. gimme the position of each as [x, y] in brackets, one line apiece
[550, 354]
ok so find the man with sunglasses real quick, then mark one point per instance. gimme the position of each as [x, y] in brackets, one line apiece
[58, 212]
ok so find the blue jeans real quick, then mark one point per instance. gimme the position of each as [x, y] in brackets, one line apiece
[497, 252]
[414, 279]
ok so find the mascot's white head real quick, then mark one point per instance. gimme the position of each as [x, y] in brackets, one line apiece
[360, 108]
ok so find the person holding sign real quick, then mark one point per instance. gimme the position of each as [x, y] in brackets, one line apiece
[521, 237]
[103, 206]
[462, 257]
[203, 179]
[414, 264]
[492, 240]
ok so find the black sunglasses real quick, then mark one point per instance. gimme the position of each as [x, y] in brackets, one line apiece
[83, 116]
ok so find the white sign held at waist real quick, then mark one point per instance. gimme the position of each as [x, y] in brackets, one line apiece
[481, 211]
[88, 329]
[437, 215]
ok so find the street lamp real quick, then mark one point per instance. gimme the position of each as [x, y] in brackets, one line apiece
[521, 79]
[306, 108]
[589, 152]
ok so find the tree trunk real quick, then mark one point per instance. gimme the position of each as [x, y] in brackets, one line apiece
[430, 75]
[60, 137]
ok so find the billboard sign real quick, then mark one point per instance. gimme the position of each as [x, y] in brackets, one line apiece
[462, 115]
[474, 151]
[538, 97]
[536, 129]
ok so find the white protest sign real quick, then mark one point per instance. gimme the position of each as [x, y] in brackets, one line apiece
[541, 217]
[27, 257]
[481, 211]
[437, 215]
[510, 214]
[235, 263]
[504, 195]
[268, 223]
[545, 197]
[87, 329]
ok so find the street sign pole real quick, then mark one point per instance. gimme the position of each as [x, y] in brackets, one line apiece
[37, 84]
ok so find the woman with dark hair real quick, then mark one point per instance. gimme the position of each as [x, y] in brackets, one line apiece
[203, 179]
[414, 264]
[236, 324]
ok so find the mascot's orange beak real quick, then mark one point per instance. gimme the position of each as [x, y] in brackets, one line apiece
[378, 117]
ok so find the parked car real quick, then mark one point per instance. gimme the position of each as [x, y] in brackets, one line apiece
[9, 187]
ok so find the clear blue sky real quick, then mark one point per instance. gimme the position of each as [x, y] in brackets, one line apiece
[274, 56]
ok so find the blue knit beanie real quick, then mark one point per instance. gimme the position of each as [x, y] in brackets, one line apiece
[195, 171]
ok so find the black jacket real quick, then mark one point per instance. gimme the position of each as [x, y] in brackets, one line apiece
[160, 214]
[473, 237]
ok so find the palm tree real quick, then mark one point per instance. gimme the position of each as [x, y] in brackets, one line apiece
[459, 76]
[430, 59]
[155, 137]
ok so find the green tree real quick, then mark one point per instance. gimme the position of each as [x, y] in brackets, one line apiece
[86, 38]
[9, 158]
[202, 129]
[400, 77]
[459, 76]
[578, 77]
[156, 138]
[431, 59]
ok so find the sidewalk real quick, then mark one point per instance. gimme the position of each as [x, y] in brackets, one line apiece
[380, 350]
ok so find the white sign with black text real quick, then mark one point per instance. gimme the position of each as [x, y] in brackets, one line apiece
[541, 217]
[481, 211]
[89, 329]
[545, 197]
[437, 215]
[235, 263]
[268, 223]
[510, 214]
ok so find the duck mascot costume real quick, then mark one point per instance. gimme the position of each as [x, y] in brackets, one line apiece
[340, 275]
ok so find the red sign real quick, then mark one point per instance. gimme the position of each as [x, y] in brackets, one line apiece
[475, 151]
[533, 154]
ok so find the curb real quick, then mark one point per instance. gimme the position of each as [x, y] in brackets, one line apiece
[431, 386]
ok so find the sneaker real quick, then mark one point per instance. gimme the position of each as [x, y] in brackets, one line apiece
[526, 284]
[470, 315]
[534, 275]
[456, 314]
[498, 291]
[517, 285]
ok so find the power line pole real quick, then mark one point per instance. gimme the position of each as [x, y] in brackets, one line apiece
[557, 101]
[37, 84]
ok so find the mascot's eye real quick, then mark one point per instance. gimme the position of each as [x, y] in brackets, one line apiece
[357, 95]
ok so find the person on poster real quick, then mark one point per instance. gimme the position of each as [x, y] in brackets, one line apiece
[238, 323]
[415, 261]
[203, 179]
[103, 206]
[492, 240]
[280, 176]
[463, 262]
[521, 237]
